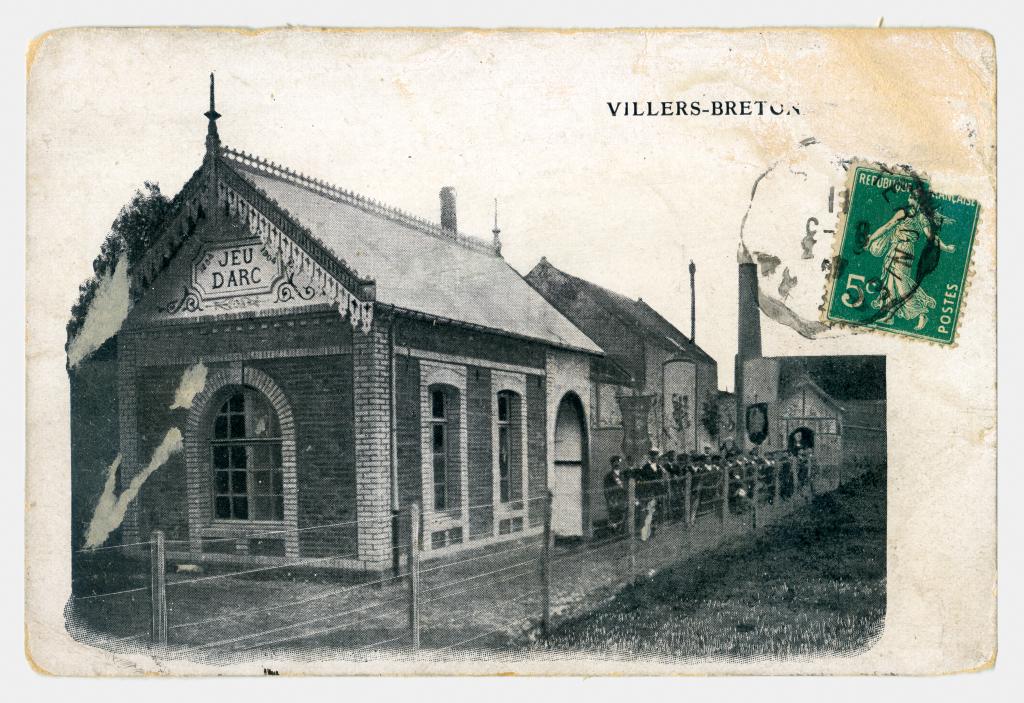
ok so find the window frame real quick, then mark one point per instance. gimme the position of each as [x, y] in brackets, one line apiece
[510, 492]
[440, 423]
[448, 423]
[275, 495]
[515, 386]
[454, 378]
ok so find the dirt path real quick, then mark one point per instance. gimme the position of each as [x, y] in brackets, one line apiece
[491, 602]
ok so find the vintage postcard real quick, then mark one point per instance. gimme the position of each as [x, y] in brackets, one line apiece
[542, 352]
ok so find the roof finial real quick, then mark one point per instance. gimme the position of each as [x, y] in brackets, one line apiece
[212, 138]
[496, 231]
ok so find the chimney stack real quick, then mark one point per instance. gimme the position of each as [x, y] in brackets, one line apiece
[448, 219]
[748, 342]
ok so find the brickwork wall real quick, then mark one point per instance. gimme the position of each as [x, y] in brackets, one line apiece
[537, 446]
[127, 409]
[318, 391]
[95, 439]
[244, 340]
[337, 385]
[372, 397]
[479, 398]
[479, 456]
[163, 500]
[410, 462]
[447, 339]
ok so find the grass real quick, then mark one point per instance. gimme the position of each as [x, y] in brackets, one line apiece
[811, 584]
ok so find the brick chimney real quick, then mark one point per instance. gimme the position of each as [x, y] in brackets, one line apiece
[449, 221]
[748, 338]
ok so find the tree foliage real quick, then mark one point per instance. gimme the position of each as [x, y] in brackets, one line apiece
[131, 234]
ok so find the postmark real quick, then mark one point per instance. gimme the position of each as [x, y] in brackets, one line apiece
[902, 256]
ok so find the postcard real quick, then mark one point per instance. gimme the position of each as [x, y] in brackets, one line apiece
[660, 352]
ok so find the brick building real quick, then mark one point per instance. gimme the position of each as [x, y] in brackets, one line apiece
[653, 374]
[356, 359]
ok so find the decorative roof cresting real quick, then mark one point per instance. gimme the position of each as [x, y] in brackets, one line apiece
[257, 164]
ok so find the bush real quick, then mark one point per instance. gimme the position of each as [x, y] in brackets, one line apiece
[131, 234]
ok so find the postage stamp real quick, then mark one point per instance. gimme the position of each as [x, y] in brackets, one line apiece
[903, 256]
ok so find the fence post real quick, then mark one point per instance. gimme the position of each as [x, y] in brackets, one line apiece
[726, 479]
[776, 488]
[158, 587]
[688, 487]
[414, 574]
[810, 477]
[756, 469]
[545, 567]
[666, 518]
[396, 542]
[631, 521]
[795, 473]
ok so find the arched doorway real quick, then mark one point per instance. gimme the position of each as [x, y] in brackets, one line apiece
[570, 470]
[800, 438]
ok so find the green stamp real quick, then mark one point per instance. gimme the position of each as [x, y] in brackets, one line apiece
[903, 256]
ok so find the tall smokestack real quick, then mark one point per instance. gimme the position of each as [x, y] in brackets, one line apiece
[693, 303]
[448, 220]
[748, 342]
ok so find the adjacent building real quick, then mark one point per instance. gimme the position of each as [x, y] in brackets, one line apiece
[654, 387]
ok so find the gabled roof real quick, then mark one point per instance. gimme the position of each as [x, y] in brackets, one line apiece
[803, 382]
[416, 266]
[565, 292]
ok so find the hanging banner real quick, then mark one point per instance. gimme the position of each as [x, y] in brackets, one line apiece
[678, 405]
[636, 439]
[757, 423]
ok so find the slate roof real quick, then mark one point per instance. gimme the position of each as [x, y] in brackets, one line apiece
[586, 304]
[417, 266]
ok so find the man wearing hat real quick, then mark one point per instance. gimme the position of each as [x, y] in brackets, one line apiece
[668, 461]
[615, 493]
[648, 490]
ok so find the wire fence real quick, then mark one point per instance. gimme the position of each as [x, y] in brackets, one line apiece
[492, 596]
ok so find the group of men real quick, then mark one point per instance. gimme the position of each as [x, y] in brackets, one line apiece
[652, 476]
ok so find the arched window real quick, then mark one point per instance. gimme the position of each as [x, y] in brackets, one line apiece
[245, 455]
[444, 446]
[510, 447]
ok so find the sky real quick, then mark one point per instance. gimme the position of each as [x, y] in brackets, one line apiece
[625, 202]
